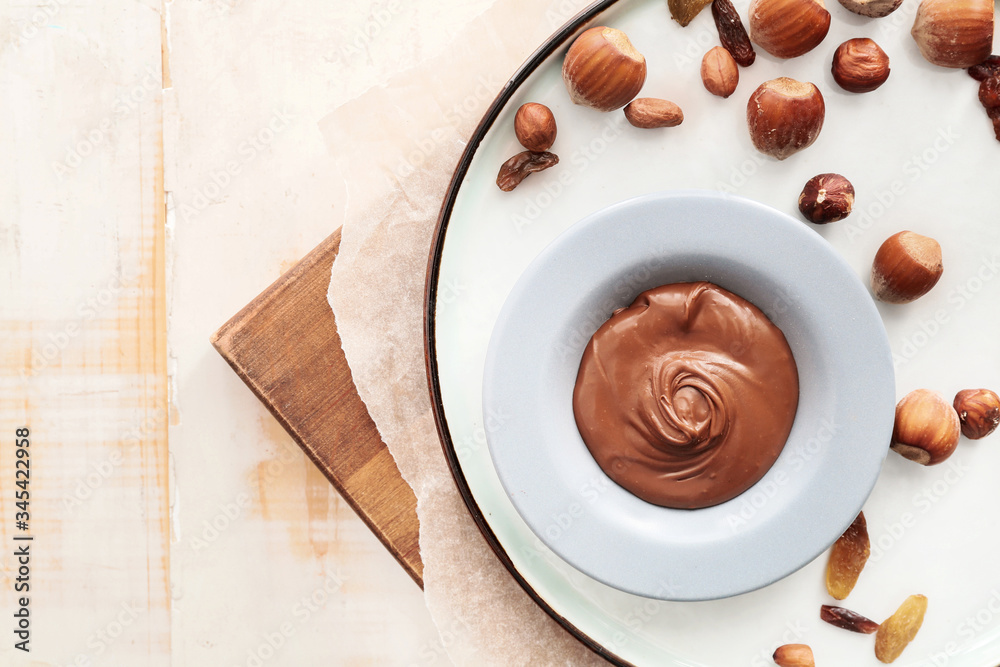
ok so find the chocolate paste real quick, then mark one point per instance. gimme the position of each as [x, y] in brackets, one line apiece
[686, 397]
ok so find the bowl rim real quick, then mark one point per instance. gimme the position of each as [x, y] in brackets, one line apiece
[620, 236]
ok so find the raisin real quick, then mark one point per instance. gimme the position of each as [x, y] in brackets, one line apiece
[516, 169]
[989, 95]
[986, 69]
[684, 11]
[897, 631]
[732, 33]
[847, 619]
[847, 558]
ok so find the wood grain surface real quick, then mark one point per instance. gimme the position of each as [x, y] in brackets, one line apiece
[285, 347]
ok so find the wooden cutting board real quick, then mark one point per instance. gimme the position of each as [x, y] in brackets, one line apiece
[284, 345]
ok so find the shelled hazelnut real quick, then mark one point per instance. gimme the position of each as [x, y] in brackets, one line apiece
[826, 198]
[860, 65]
[978, 412]
[535, 127]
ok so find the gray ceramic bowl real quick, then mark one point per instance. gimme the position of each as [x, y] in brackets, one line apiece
[833, 455]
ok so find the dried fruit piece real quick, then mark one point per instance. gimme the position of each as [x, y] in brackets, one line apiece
[847, 619]
[986, 69]
[684, 11]
[897, 631]
[978, 411]
[989, 95]
[847, 558]
[650, 112]
[794, 655]
[516, 169]
[732, 33]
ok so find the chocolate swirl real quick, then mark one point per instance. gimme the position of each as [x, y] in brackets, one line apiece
[686, 397]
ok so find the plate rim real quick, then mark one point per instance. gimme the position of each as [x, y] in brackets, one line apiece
[533, 62]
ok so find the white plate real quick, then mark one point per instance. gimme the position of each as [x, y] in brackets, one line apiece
[833, 454]
[921, 154]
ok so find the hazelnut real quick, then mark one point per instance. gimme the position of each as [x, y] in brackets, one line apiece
[826, 198]
[860, 65]
[794, 655]
[926, 429]
[602, 69]
[906, 267]
[872, 8]
[719, 72]
[650, 112]
[954, 33]
[788, 28]
[784, 116]
[535, 127]
[978, 412]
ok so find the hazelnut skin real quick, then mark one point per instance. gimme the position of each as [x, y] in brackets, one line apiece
[978, 411]
[826, 198]
[535, 127]
[906, 267]
[860, 65]
[926, 429]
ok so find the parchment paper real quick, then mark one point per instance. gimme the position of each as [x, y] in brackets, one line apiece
[420, 122]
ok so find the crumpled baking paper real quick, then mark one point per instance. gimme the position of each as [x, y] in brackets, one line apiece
[418, 126]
